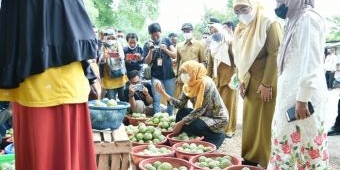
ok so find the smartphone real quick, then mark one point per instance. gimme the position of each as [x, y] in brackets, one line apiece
[131, 56]
[114, 54]
[290, 114]
[139, 87]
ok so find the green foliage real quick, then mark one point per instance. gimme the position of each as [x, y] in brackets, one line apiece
[334, 34]
[228, 15]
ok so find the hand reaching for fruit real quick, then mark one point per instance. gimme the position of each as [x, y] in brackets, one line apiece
[178, 127]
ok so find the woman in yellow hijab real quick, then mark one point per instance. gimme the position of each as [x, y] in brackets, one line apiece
[256, 43]
[209, 115]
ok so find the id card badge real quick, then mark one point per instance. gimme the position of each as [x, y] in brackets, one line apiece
[159, 62]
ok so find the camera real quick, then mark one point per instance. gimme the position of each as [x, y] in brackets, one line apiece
[152, 45]
[139, 87]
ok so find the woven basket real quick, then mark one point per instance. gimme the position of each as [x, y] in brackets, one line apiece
[193, 160]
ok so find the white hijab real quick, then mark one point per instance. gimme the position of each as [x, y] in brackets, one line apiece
[250, 39]
[219, 50]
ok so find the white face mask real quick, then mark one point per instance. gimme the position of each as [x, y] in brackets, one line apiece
[246, 18]
[187, 36]
[185, 78]
[110, 42]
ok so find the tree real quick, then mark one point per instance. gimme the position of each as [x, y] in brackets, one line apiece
[91, 10]
[228, 15]
[334, 29]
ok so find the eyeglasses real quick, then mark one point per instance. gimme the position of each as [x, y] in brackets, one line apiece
[243, 10]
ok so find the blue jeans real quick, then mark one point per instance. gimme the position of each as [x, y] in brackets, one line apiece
[169, 86]
[112, 93]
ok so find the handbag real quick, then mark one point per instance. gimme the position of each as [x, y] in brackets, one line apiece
[116, 73]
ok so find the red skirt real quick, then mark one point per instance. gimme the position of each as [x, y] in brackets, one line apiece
[53, 138]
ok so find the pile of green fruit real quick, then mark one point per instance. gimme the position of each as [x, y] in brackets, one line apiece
[163, 166]
[104, 103]
[194, 148]
[8, 166]
[145, 134]
[138, 116]
[152, 150]
[163, 121]
[184, 136]
[216, 163]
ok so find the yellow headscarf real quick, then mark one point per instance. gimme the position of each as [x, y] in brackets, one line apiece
[196, 85]
[249, 39]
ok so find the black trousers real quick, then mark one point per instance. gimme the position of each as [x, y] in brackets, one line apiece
[330, 79]
[199, 128]
[337, 120]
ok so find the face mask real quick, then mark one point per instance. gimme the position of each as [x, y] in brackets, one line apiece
[110, 42]
[216, 37]
[282, 11]
[187, 36]
[132, 48]
[246, 18]
[185, 78]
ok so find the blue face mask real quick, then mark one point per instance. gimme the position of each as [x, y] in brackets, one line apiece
[282, 11]
[217, 37]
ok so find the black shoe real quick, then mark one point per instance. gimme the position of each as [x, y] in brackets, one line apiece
[334, 131]
[245, 162]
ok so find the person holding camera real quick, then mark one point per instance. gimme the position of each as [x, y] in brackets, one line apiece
[139, 95]
[112, 66]
[158, 53]
[133, 53]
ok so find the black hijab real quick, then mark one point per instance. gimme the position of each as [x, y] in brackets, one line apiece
[39, 34]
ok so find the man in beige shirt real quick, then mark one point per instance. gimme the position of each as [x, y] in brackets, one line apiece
[190, 49]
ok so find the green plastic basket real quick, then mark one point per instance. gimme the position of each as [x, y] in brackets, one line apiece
[6, 158]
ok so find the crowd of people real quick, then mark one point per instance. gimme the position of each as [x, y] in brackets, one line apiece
[273, 70]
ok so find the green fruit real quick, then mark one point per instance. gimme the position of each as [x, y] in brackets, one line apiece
[142, 129]
[157, 133]
[155, 140]
[147, 136]
[165, 166]
[182, 168]
[202, 164]
[140, 136]
[155, 121]
[150, 129]
[165, 125]
[149, 167]
[140, 141]
[157, 164]
[202, 159]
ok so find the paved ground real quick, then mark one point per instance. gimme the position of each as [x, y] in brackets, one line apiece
[233, 146]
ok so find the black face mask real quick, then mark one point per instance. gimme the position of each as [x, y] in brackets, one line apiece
[282, 11]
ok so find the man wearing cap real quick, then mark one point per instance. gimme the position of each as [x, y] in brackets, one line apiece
[190, 49]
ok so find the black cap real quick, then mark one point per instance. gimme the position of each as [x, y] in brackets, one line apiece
[187, 26]
[213, 21]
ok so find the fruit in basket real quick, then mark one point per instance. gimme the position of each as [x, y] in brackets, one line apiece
[144, 134]
[111, 103]
[99, 103]
[153, 150]
[214, 163]
[163, 121]
[163, 166]
[245, 168]
[138, 116]
[8, 166]
[194, 148]
[184, 136]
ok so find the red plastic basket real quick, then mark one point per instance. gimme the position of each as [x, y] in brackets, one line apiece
[135, 121]
[137, 157]
[193, 160]
[174, 141]
[187, 156]
[239, 167]
[175, 162]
